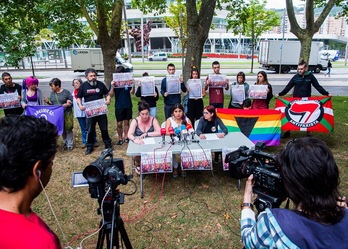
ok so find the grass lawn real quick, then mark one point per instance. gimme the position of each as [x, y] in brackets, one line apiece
[199, 211]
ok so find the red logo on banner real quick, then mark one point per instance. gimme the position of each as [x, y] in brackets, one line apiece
[306, 114]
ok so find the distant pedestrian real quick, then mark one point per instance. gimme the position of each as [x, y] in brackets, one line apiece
[329, 66]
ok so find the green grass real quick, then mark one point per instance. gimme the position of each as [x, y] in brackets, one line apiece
[199, 211]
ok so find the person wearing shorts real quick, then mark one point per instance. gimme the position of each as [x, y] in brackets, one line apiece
[123, 110]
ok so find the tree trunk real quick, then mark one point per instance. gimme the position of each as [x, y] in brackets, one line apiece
[109, 53]
[108, 32]
[306, 35]
[198, 26]
[306, 44]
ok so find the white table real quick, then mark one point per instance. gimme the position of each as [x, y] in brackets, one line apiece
[232, 140]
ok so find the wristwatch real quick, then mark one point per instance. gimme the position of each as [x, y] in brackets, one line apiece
[246, 205]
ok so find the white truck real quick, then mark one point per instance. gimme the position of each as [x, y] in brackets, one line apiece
[275, 54]
[83, 58]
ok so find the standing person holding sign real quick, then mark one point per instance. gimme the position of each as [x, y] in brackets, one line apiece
[32, 95]
[239, 83]
[195, 104]
[263, 103]
[216, 93]
[10, 87]
[123, 109]
[92, 90]
[170, 99]
[151, 100]
[302, 83]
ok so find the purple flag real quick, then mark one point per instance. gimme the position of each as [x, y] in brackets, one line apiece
[52, 113]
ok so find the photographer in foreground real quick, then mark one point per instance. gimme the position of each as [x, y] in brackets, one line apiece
[319, 218]
[27, 149]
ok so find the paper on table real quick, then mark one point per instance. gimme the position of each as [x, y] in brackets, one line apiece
[149, 140]
[211, 136]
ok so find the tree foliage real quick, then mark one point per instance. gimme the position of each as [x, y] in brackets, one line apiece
[63, 17]
[20, 22]
[312, 22]
[252, 20]
[178, 21]
[200, 13]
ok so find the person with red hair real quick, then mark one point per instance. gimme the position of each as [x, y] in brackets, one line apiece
[210, 123]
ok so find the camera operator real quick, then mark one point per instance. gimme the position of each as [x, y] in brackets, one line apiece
[27, 149]
[319, 218]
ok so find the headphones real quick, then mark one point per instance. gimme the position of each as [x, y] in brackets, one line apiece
[39, 173]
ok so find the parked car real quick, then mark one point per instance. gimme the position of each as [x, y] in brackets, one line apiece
[158, 56]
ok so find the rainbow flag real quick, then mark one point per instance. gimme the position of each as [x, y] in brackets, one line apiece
[306, 114]
[257, 125]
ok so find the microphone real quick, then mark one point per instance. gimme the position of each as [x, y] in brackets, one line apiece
[190, 130]
[163, 134]
[183, 132]
[171, 133]
[177, 132]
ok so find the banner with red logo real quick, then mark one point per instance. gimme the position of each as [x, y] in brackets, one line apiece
[306, 114]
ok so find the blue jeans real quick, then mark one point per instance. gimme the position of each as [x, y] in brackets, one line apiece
[83, 127]
[153, 111]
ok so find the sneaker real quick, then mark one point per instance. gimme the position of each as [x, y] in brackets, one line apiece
[126, 140]
[89, 150]
[183, 173]
[120, 142]
[70, 148]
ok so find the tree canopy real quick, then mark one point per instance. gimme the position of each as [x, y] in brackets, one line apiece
[312, 23]
[252, 20]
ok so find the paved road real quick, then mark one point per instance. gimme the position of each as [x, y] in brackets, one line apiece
[337, 84]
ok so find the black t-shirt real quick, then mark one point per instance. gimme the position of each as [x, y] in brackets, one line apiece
[210, 127]
[6, 89]
[90, 93]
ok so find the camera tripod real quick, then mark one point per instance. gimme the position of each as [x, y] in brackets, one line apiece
[112, 226]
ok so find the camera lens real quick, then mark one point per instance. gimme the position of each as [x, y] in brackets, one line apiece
[92, 174]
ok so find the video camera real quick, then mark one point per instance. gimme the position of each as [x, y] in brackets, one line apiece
[103, 176]
[268, 184]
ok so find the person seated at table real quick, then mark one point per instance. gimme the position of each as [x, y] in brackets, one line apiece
[177, 119]
[141, 127]
[319, 218]
[210, 123]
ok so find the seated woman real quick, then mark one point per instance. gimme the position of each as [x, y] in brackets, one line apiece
[141, 127]
[177, 119]
[210, 123]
